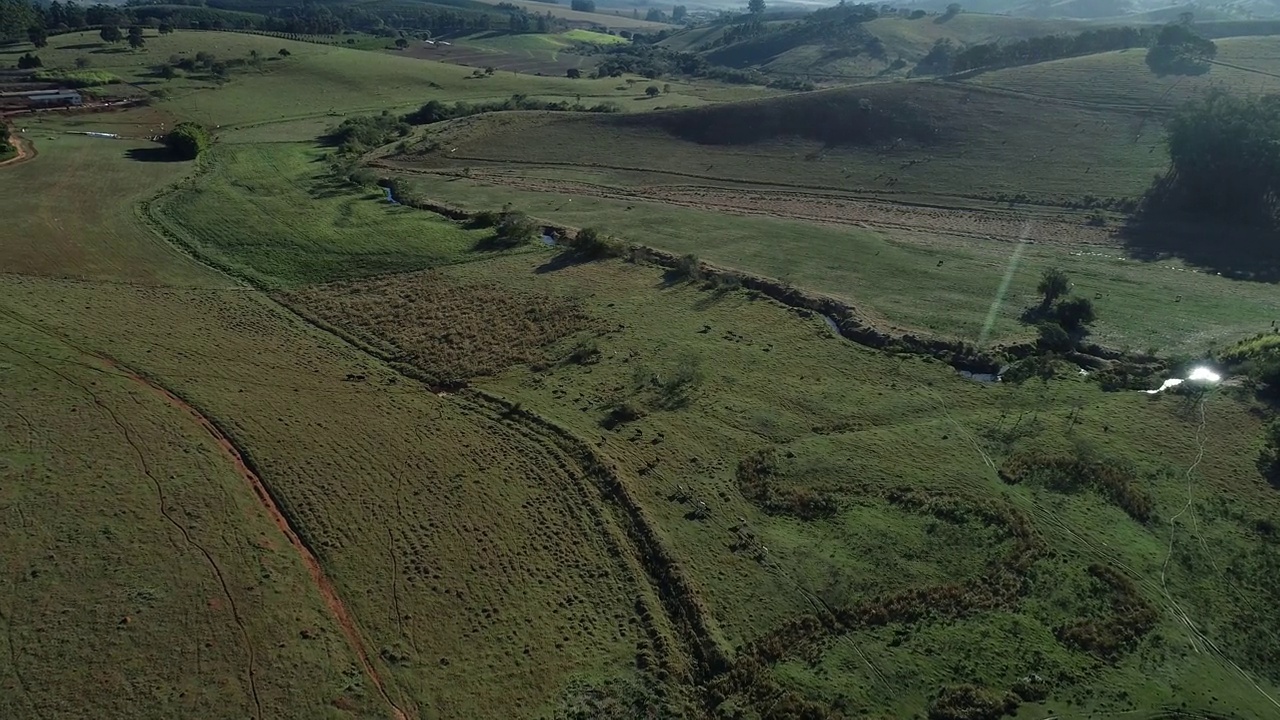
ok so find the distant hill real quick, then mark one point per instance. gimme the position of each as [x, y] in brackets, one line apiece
[1153, 10]
[853, 42]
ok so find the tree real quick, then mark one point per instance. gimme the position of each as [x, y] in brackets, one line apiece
[402, 43]
[583, 5]
[1053, 337]
[916, 14]
[652, 91]
[187, 140]
[284, 53]
[1225, 156]
[1053, 285]
[953, 10]
[1073, 315]
[38, 36]
[655, 15]
[136, 40]
[29, 62]
[755, 7]
[166, 28]
[110, 34]
[168, 72]
[573, 73]
[679, 13]
[515, 228]
[1180, 51]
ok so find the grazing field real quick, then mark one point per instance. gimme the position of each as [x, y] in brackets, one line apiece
[530, 54]
[73, 211]
[924, 280]
[284, 448]
[920, 140]
[305, 226]
[313, 81]
[140, 568]
[616, 20]
[318, 420]
[1246, 66]
[854, 443]
[914, 38]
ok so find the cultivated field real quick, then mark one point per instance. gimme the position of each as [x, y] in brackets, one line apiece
[286, 449]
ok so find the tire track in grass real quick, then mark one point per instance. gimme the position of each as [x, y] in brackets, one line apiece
[328, 593]
[251, 670]
[324, 585]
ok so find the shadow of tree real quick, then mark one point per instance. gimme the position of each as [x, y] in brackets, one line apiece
[1244, 248]
[151, 154]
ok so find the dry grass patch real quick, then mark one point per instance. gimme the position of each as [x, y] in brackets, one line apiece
[444, 328]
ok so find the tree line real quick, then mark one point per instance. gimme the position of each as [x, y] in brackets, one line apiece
[1173, 48]
[27, 19]
[946, 57]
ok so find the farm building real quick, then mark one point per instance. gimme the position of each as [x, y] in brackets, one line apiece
[55, 98]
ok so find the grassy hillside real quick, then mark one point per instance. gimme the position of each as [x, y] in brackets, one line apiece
[914, 139]
[249, 495]
[420, 611]
[1248, 65]
[666, 179]
[847, 425]
[313, 81]
[913, 38]
[306, 228]
[616, 20]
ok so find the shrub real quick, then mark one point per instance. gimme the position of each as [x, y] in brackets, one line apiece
[29, 61]
[585, 352]
[1075, 314]
[484, 219]
[677, 387]
[1053, 337]
[1114, 480]
[688, 268]
[359, 134]
[515, 228]
[590, 243]
[1110, 636]
[1269, 460]
[969, 702]
[187, 140]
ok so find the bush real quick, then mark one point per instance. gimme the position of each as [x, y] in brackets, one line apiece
[688, 268]
[1053, 337]
[515, 228]
[969, 702]
[1075, 314]
[29, 61]
[590, 243]
[1269, 460]
[677, 387]
[484, 219]
[359, 134]
[187, 140]
[586, 352]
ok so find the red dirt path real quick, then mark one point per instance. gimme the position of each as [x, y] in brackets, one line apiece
[322, 581]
